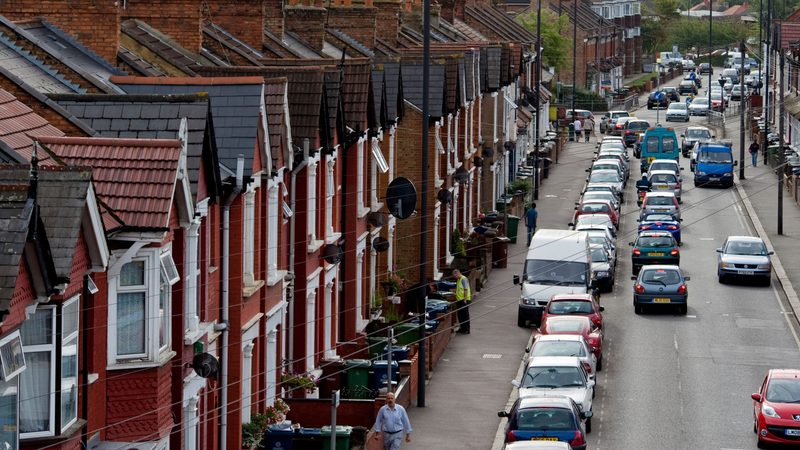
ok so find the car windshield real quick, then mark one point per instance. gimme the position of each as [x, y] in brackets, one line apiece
[616, 115]
[655, 242]
[570, 307]
[599, 255]
[700, 101]
[662, 166]
[663, 178]
[658, 218]
[746, 248]
[638, 125]
[570, 325]
[597, 239]
[677, 107]
[715, 157]
[555, 273]
[783, 391]
[697, 134]
[552, 377]
[598, 195]
[545, 419]
[594, 208]
[604, 177]
[659, 201]
[661, 276]
[558, 348]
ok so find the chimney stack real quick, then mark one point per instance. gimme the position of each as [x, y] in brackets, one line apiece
[357, 21]
[307, 22]
[180, 19]
[273, 17]
[242, 18]
[387, 20]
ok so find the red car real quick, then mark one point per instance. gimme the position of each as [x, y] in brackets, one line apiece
[776, 408]
[575, 305]
[597, 206]
[580, 325]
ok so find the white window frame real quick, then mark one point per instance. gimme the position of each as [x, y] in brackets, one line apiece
[451, 165]
[361, 247]
[436, 231]
[192, 291]
[311, 214]
[10, 388]
[437, 141]
[65, 339]
[273, 199]
[248, 237]
[153, 352]
[41, 348]
[361, 188]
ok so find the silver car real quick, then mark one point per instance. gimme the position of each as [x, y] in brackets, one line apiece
[608, 121]
[594, 221]
[666, 180]
[699, 107]
[677, 111]
[744, 257]
[666, 164]
[602, 195]
[557, 375]
[660, 202]
[565, 345]
[611, 177]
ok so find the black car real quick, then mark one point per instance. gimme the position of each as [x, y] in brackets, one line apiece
[692, 135]
[632, 130]
[672, 93]
[657, 99]
[687, 87]
[705, 68]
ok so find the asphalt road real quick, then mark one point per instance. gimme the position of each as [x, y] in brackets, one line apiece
[684, 382]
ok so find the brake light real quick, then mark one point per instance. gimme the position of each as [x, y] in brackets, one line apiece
[682, 289]
[674, 252]
[637, 252]
[672, 227]
[578, 441]
[642, 227]
[586, 366]
[510, 437]
[619, 126]
[596, 320]
[639, 289]
[594, 342]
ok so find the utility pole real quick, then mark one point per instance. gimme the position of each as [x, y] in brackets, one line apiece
[423, 220]
[710, 67]
[574, 57]
[742, 92]
[765, 107]
[536, 88]
[781, 125]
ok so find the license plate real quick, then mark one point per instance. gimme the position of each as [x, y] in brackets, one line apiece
[713, 178]
[543, 438]
[661, 210]
[661, 300]
[656, 254]
[745, 272]
[792, 432]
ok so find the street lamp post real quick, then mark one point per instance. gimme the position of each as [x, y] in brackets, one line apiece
[710, 66]
[536, 88]
[765, 103]
[574, 55]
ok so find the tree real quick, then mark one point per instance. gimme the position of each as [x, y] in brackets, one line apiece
[556, 47]
[666, 9]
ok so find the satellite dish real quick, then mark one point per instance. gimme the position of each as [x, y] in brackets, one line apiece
[444, 196]
[380, 244]
[401, 198]
[205, 365]
[376, 219]
[461, 175]
[332, 253]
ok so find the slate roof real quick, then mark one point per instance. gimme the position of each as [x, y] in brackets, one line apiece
[493, 66]
[412, 85]
[332, 99]
[277, 121]
[377, 114]
[305, 94]
[138, 64]
[24, 65]
[228, 47]
[67, 51]
[153, 116]
[235, 106]
[161, 45]
[356, 48]
[471, 33]
[18, 122]
[355, 90]
[61, 195]
[273, 46]
[134, 178]
[500, 23]
[15, 216]
[299, 47]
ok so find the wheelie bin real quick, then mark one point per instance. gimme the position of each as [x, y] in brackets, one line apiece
[342, 437]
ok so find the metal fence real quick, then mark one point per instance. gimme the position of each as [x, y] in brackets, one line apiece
[624, 104]
[716, 118]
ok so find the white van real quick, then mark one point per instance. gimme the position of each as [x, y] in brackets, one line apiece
[558, 262]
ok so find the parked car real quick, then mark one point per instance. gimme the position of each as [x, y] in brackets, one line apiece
[575, 305]
[632, 130]
[661, 222]
[698, 80]
[602, 195]
[744, 257]
[692, 135]
[619, 125]
[736, 92]
[663, 202]
[594, 221]
[579, 325]
[566, 345]
[666, 164]
[678, 112]
[718, 102]
[776, 407]
[609, 164]
[672, 93]
[611, 177]
[603, 268]
[602, 237]
[666, 180]
[687, 87]
[597, 207]
[581, 113]
[660, 285]
[699, 106]
[546, 419]
[687, 65]
[609, 119]
[705, 68]
[537, 445]
[657, 99]
[654, 247]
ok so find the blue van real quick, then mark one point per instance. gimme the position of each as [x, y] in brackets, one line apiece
[714, 164]
[659, 143]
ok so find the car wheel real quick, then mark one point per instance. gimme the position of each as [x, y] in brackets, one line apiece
[767, 281]
[755, 427]
[600, 364]
[637, 309]
[759, 444]
[683, 309]
[521, 321]
[721, 278]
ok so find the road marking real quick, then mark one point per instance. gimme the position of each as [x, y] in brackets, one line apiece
[550, 196]
[706, 239]
[691, 317]
[492, 356]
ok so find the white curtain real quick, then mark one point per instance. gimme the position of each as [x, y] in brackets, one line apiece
[34, 405]
[130, 323]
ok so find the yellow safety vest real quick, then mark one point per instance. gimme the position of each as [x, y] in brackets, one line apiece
[461, 292]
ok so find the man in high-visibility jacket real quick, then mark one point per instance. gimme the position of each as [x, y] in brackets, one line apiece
[463, 299]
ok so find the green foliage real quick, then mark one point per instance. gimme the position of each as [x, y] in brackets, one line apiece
[457, 244]
[665, 9]
[556, 46]
[686, 32]
[519, 185]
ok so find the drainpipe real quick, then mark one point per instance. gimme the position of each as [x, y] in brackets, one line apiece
[291, 275]
[225, 326]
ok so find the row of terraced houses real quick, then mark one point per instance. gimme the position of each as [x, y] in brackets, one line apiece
[187, 181]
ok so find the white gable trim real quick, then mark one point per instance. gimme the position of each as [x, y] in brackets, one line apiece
[92, 226]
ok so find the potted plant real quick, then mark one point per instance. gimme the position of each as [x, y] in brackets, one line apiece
[292, 381]
[253, 431]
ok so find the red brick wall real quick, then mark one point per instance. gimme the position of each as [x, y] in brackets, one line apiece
[139, 404]
[308, 23]
[94, 23]
[387, 20]
[24, 295]
[243, 18]
[273, 17]
[356, 21]
[95, 329]
[180, 19]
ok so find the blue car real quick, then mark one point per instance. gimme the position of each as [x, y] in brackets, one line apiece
[661, 222]
[660, 285]
[551, 418]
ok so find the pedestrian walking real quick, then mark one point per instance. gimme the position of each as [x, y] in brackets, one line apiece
[754, 152]
[392, 423]
[578, 127]
[463, 299]
[588, 128]
[530, 221]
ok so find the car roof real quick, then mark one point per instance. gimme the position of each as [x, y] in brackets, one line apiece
[670, 161]
[597, 200]
[655, 233]
[537, 445]
[650, 267]
[645, 215]
[660, 172]
[660, 193]
[576, 296]
[606, 171]
[638, 120]
[697, 128]
[562, 361]
[558, 401]
[559, 337]
[745, 239]
[617, 111]
[784, 373]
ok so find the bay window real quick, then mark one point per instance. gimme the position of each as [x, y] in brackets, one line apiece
[9, 432]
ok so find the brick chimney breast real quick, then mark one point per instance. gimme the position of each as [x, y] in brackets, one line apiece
[308, 22]
[387, 20]
[273, 17]
[242, 18]
[180, 19]
[359, 22]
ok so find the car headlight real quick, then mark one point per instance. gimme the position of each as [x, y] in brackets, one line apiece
[727, 174]
[769, 411]
[601, 274]
[764, 267]
[700, 173]
[528, 301]
[726, 265]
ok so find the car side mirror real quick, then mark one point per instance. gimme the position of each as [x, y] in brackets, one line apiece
[681, 168]
[516, 279]
[630, 243]
[719, 250]
[586, 414]
[687, 278]
[590, 383]
[570, 224]
[735, 163]
[602, 308]
[527, 349]
[515, 383]
[502, 414]
[770, 253]
[713, 136]
[756, 397]
[633, 277]
[587, 170]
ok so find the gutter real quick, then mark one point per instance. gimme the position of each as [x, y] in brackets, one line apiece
[291, 274]
[224, 326]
